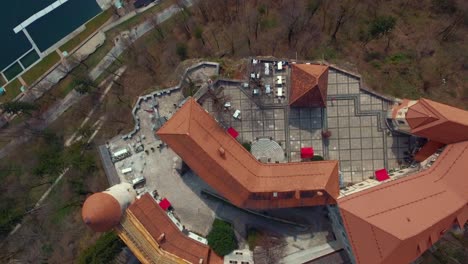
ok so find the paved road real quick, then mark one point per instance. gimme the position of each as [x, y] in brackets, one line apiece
[18, 134]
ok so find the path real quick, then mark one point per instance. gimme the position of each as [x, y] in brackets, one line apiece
[120, 46]
[57, 74]
[312, 253]
[48, 117]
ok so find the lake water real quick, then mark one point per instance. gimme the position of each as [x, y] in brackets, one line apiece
[45, 31]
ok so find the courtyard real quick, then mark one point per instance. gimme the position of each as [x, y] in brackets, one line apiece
[354, 116]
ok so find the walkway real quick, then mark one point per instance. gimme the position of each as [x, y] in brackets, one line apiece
[17, 133]
[131, 36]
[312, 253]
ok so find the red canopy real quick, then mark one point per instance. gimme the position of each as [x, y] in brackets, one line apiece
[233, 132]
[307, 153]
[165, 204]
[381, 175]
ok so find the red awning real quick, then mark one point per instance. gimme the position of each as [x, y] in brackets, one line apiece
[233, 132]
[165, 204]
[381, 175]
[307, 153]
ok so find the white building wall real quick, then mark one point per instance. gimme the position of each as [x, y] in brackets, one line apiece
[123, 193]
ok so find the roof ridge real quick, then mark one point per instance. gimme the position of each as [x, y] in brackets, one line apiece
[431, 109]
[306, 90]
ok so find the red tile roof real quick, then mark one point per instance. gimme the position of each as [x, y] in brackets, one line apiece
[427, 150]
[308, 85]
[438, 122]
[397, 221]
[156, 222]
[233, 172]
[101, 212]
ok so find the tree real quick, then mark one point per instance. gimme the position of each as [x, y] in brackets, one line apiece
[199, 34]
[381, 26]
[346, 10]
[181, 50]
[444, 6]
[104, 251]
[218, 100]
[18, 107]
[189, 87]
[269, 249]
[83, 83]
[222, 238]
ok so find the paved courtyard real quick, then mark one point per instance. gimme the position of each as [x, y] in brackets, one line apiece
[358, 139]
[354, 117]
[255, 122]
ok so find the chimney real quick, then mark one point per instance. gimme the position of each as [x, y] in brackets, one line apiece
[161, 238]
[221, 151]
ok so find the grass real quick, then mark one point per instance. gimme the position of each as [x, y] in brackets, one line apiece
[42, 67]
[12, 90]
[2, 81]
[91, 27]
[252, 238]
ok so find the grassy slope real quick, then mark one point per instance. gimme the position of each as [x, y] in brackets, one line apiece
[12, 90]
[40, 68]
[91, 27]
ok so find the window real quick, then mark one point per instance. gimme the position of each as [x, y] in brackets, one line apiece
[285, 195]
[260, 196]
[232, 262]
[239, 253]
[307, 194]
[401, 122]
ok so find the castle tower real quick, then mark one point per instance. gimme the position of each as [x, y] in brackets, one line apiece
[102, 211]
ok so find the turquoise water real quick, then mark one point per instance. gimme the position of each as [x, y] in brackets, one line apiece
[46, 31]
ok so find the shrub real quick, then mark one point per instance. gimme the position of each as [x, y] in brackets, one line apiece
[252, 238]
[381, 26]
[444, 6]
[326, 133]
[247, 146]
[222, 238]
[317, 158]
[181, 50]
[103, 251]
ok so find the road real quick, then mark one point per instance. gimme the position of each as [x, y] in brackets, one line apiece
[23, 132]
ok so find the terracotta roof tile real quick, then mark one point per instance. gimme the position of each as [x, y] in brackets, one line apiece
[308, 85]
[237, 174]
[386, 223]
[427, 150]
[156, 222]
[101, 212]
[438, 122]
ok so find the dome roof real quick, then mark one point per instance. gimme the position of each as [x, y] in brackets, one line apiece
[101, 212]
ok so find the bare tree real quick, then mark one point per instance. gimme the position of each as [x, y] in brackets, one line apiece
[346, 10]
[270, 249]
[218, 100]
